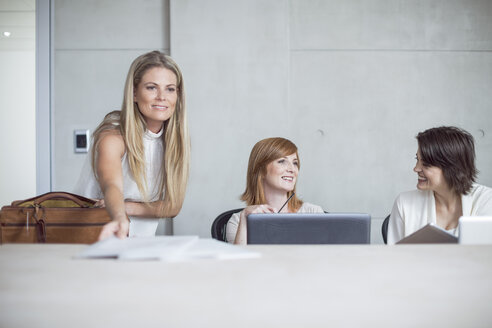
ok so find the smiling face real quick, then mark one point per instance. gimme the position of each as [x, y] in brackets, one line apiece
[281, 174]
[429, 177]
[156, 96]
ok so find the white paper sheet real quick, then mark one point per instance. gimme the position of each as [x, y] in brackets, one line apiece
[214, 249]
[165, 248]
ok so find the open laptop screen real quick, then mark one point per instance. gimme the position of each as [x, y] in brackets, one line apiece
[475, 230]
[309, 228]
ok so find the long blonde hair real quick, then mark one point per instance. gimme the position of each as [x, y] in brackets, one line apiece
[130, 123]
[263, 153]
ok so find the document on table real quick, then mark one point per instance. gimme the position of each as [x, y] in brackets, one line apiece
[214, 249]
[165, 248]
[429, 234]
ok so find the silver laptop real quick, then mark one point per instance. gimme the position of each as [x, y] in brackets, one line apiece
[475, 230]
[309, 228]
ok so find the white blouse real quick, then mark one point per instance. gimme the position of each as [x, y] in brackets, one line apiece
[153, 146]
[414, 209]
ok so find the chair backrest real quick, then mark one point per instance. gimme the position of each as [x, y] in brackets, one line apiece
[384, 229]
[219, 225]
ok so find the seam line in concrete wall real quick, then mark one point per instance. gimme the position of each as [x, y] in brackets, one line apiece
[113, 49]
[388, 50]
[289, 58]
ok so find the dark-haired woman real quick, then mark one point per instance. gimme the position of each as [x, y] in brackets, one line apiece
[446, 190]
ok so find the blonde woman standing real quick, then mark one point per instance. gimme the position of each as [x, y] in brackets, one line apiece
[139, 161]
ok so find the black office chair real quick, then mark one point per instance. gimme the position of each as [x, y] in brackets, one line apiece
[219, 224]
[384, 229]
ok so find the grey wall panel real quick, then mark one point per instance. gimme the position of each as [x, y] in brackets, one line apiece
[360, 112]
[362, 79]
[95, 43]
[111, 24]
[387, 24]
[235, 63]
[89, 84]
[43, 95]
[351, 83]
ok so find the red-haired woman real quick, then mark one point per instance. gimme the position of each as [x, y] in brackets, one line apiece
[271, 180]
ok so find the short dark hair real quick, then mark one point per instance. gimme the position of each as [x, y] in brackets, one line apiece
[452, 150]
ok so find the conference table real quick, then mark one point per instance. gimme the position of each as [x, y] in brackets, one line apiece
[42, 285]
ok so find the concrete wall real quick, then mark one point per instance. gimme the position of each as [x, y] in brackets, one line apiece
[95, 42]
[351, 83]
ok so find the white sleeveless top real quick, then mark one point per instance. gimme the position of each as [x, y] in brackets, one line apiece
[153, 146]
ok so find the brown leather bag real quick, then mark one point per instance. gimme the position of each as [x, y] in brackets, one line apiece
[54, 217]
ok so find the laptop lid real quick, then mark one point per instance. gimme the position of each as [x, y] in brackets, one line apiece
[309, 228]
[475, 230]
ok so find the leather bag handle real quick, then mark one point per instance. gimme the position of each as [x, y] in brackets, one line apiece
[79, 200]
[64, 195]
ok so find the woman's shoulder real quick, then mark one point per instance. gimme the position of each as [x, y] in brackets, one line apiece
[111, 142]
[109, 126]
[112, 136]
[480, 191]
[411, 196]
[310, 208]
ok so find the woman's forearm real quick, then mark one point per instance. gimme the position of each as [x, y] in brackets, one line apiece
[113, 199]
[148, 210]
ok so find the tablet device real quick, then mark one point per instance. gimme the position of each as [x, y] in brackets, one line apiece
[309, 228]
[475, 230]
[429, 234]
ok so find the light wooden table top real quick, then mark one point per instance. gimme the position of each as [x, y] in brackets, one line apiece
[289, 286]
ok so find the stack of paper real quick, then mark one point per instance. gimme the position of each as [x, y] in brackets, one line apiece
[165, 248]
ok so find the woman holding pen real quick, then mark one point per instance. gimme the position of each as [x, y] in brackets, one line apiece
[270, 185]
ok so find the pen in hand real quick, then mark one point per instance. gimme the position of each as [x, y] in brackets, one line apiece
[293, 193]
